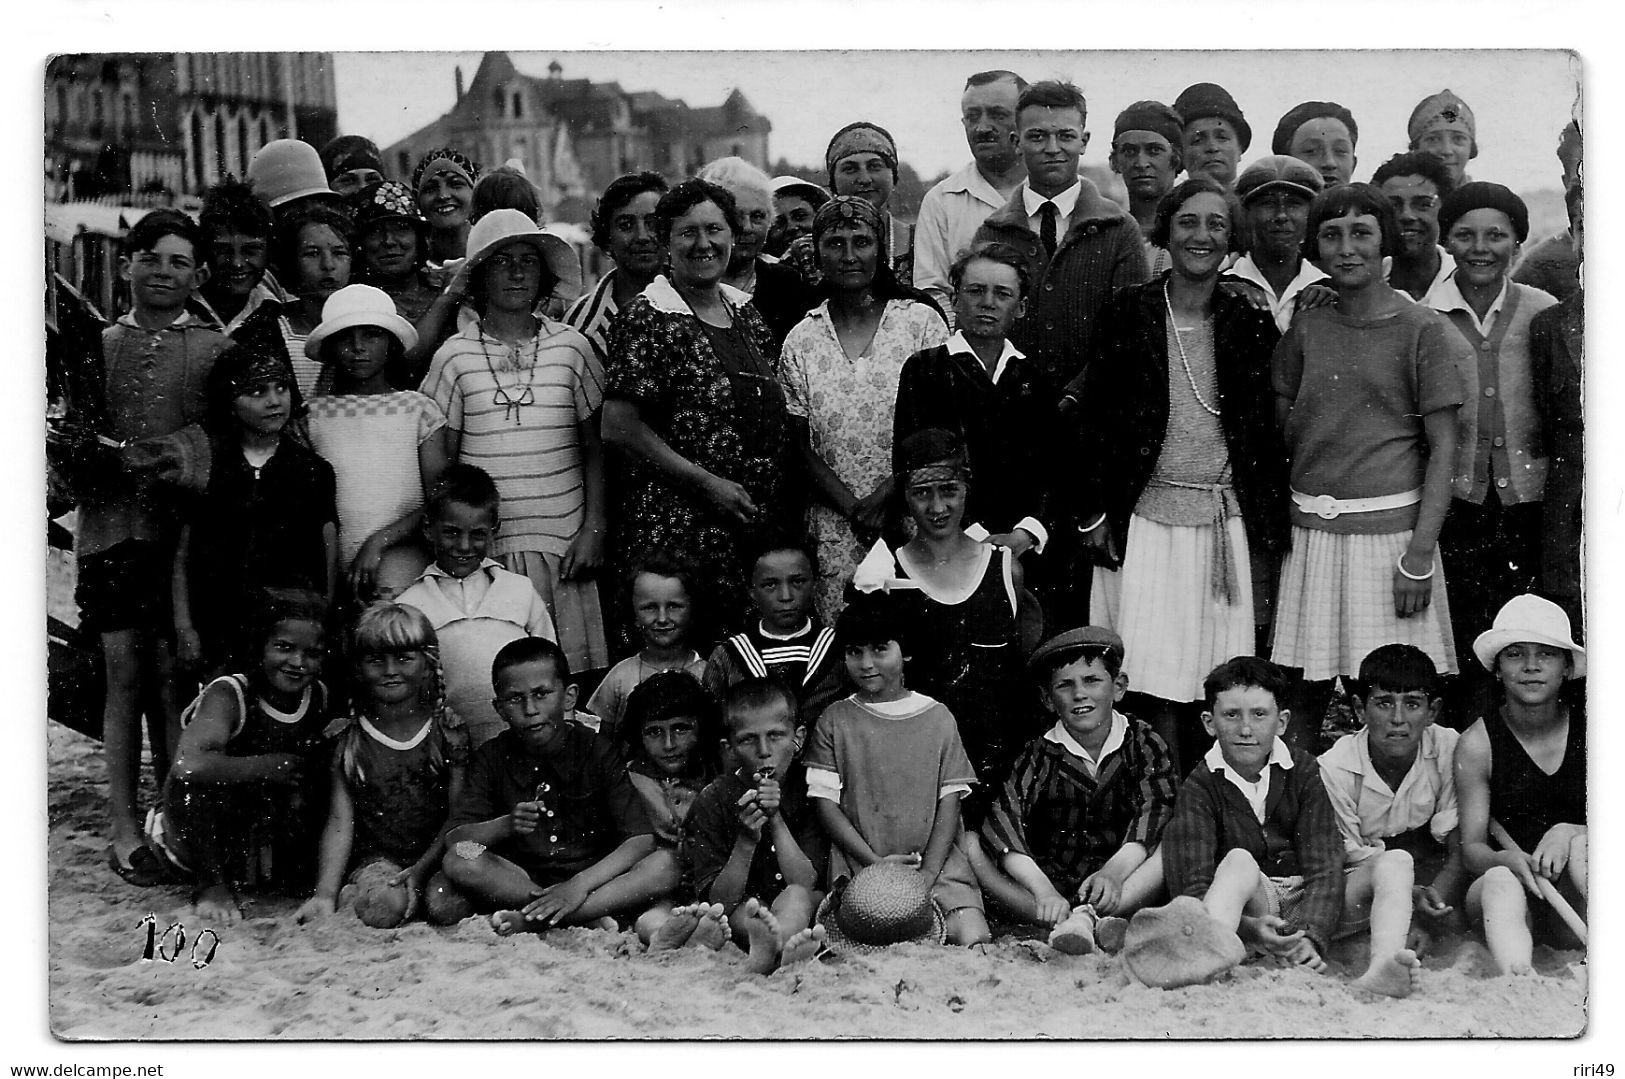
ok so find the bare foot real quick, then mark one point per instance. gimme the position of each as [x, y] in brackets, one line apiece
[763, 930]
[1109, 934]
[803, 946]
[712, 930]
[606, 923]
[505, 923]
[1075, 935]
[1397, 975]
[676, 930]
[217, 905]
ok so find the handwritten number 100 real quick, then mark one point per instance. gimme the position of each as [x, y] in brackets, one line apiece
[159, 945]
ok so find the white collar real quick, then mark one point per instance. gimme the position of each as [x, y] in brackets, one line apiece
[183, 320]
[908, 705]
[663, 296]
[770, 635]
[1445, 296]
[1114, 740]
[1065, 202]
[1247, 269]
[434, 570]
[958, 346]
[384, 739]
[970, 180]
[1279, 754]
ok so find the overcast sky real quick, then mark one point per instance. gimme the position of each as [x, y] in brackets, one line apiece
[1521, 99]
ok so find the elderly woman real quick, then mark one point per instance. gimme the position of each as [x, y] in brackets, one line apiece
[1182, 480]
[694, 405]
[777, 292]
[842, 365]
[520, 393]
[862, 160]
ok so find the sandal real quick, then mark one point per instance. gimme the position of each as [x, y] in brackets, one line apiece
[144, 870]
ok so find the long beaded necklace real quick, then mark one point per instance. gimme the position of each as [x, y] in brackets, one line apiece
[527, 395]
[1184, 361]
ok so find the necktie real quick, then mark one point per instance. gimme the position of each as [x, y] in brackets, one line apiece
[1046, 228]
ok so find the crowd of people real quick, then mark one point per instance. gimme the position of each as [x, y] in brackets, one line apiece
[1192, 580]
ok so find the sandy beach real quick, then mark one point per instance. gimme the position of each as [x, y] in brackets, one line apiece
[338, 979]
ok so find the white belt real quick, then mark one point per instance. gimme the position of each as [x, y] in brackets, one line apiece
[1328, 508]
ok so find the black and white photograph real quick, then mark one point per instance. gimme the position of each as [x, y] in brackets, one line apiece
[734, 541]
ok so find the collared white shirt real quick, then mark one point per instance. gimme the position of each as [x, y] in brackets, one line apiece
[1281, 307]
[950, 214]
[1447, 268]
[182, 320]
[1114, 741]
[958, 346]
[1367, 810]
[1256, 793]
[445, 599]
[1445, 297]
[1065, 203]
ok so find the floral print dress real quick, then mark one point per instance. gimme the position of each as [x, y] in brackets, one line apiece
[849, 404]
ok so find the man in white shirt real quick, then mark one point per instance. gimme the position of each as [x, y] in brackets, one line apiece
[952, 211]
[1416, 185]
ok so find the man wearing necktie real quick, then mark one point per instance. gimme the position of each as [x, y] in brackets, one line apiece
[1080, 247]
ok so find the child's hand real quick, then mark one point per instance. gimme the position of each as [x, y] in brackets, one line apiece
[1523, 867]
[1101, 892]
[188, 647]
[364, 570]
[1304, 954]
[281, 768]
[584, 555]
[1269, 932]
[1053, 908]
[525, 817]
[768, 796]
[1425, 900]
[556, 902]
[314, 908]
[412, 881]
[1551, 856]
[752, 817]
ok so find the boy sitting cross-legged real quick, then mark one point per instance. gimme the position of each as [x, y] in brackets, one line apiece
[1253, 852]
[548, 830]
[1084, 806]
[1392, 789]
[752, 842]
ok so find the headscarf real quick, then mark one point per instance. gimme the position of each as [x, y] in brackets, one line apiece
[860, 138]
[351, 152]
[1301, 114]
[450, 159]
[1442, 110]
[1151, 116]
[931, 455]
[844, 209]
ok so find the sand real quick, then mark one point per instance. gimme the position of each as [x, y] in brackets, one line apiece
[337, 979]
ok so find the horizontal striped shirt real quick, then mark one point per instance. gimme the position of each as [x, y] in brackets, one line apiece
[518, 414]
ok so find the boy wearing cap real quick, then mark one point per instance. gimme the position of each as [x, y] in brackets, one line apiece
[1523, 766]
[1443, 125]
[1080, 815]
[1322, 133]
[1275, 194]
[1146, 154]
[1215, 134]
[1416, 185]
[1499, 478]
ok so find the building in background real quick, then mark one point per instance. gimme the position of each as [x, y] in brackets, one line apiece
[162, 127]
[574, 136]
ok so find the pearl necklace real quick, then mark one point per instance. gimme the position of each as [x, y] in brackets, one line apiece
[1183, 360]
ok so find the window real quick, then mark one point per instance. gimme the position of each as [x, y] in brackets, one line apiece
[518, 106]
[497, 100]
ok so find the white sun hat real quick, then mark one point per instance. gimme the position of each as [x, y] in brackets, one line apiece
[286, 169]
[498, 228]
[359, 305]
[1529, 618]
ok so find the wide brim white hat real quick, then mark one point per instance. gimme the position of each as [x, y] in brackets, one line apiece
[286, 169]
[499, 228]
[359, 305]
[780, 184]
[1528, 618]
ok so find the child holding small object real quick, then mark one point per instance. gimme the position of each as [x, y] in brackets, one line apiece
[549, 830]
[1520, 775]
[662, 600]
[670, 738]
[1079, 818]
[887, 770]
[752, 842]
[398, 764]
[1394, 795]
[244, 801]
[475, 606]
[1253, 852]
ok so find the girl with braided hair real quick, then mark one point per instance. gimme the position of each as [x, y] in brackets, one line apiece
[398, 762]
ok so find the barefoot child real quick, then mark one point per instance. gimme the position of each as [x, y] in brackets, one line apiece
[784, 640]
[662, 601]
[475, 605]
[752, 843]
[398, 764]
[1085, 805]
[1394, 795]
[887, 771]
[548, 830]
[244, 801]
[1524, 767]
[1253, 842]
[670, 739]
